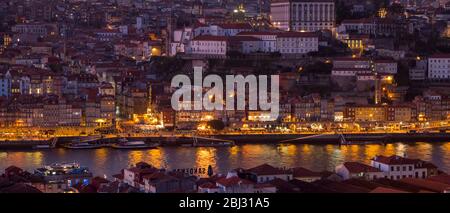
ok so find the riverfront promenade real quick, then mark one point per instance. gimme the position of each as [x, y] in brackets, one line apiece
[180, 139]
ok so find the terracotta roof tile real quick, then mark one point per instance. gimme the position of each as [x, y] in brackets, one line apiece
[232, 181]
[356, 167]
[266, 169]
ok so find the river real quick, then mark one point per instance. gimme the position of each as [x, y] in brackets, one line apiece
[108, 161]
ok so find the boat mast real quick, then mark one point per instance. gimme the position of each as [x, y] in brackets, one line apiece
[195, 139]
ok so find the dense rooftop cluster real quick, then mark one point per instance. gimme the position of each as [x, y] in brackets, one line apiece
[386, 174]
[107, 65]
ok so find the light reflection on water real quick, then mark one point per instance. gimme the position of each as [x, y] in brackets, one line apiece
[316, 157]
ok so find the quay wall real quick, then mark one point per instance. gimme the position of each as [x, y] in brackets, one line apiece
[360, 138]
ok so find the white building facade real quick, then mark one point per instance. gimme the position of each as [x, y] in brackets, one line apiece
[439, 67]
[385, 66]
[268, 40]
[5, 85]
[349, 170]
[297, 43]
[396, 167]
[209, 46]
[303, 15]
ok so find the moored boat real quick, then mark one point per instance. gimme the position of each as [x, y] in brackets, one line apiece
[213, 144]
[42, 146]
[210, 142]
[126, 144]
[83, 145]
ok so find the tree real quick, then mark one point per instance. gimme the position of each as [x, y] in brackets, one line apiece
[56, 68]
[396, 8]
[217, 125]
[342, 12]
[210, 171]
[234, 54]
[402, 76]
[319, 67]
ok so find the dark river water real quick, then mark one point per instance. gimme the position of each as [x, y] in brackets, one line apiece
[107, 161]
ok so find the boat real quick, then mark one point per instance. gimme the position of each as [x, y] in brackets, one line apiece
[83, 145]
[126, 144]
[344, 141]
[62, 166]
[42, 146]
[214, 144]
[210, 142]
[89, 142]
[122, 140]
[86, 139]
[65, 173]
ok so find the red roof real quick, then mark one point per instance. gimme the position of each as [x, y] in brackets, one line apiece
[427, 184]
[353, 36]
[235, 26]
[13, 169]
[266, 169]
[386, 190]
[357, 21]
[296, 34]
[142, 171]
[367, 21]
[249, 33]
[302, 0]
[350, 59]
[244, 38]
[446, 56]
[443, 178]
[88, 189]
[264, 185]
[96, 181]
[232, 181]
[352, 69]
[395, 160]
[303, 172]
[210, 38]
[208, 185]
[356, 167]
[384, 61]
[159, 177]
